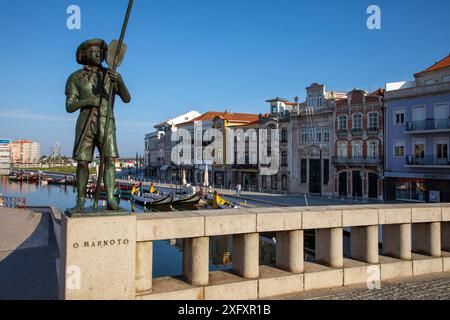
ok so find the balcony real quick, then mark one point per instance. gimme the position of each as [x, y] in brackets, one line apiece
[429, 125]
[372, 132]
[428, 160]
[357, 161]
[357, 131]
[342, 132]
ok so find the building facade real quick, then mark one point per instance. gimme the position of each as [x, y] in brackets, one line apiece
[5, 156]
[312, 127]
[25, 152]
[279, 117]
[358, 145]
[221, 174]
[418, 136]
[158, 148]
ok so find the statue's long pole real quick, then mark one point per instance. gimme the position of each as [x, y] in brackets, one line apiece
[110, 106]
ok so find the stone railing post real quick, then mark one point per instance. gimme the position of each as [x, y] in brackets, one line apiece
[426, 238]
[329, 247]
[289, 251]
[144, 267]
[196, 260]
[364, 243]
[245, 255]
[397, 240]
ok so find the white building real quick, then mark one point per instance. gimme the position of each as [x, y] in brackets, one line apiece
[5, 156]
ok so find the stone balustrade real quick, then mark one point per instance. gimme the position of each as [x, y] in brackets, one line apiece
[415, 240]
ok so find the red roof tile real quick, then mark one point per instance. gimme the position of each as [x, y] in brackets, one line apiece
[230, 116]
[438, 65]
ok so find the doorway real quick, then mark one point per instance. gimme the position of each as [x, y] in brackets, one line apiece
[314, 175]
[357, 184]
[343, 184]
[373, 185]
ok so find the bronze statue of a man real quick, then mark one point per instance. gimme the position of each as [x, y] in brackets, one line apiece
[87, 89]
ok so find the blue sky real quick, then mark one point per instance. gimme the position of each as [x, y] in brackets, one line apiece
[206, 55]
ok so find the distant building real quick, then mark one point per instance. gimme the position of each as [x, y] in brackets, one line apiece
[418, 136]
[158, 147]
[25, 152]
[312, 126]
[358, 147]
[5, 156]
[220, 174]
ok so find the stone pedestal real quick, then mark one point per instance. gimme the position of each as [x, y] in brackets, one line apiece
[397, 241]
[98, 255]
[426, 238]
[245, 255]
[289, 251]
[329, 247]
[364, 243]
[196, 260]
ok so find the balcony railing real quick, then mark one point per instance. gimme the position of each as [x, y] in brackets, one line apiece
[357, 160]
[429, 124]
[357, 131]
[342, 132]
[427, 160]
[372, 131]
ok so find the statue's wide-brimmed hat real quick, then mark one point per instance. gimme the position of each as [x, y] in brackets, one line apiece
[86, 45]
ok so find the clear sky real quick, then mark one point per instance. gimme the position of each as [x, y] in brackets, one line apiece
[206, 55]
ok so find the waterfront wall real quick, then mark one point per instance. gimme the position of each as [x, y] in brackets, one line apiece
[112, 257]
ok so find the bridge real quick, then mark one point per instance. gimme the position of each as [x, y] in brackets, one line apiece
[111, 257]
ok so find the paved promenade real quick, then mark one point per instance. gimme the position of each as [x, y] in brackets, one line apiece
[27, 256]
[428, 287]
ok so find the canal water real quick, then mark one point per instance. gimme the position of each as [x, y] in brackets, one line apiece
[167, 255]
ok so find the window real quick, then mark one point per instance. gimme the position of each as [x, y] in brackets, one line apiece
[310, 100]
[356, 149]
[342, 149]
[428, 82]
[373, 121]
[264, 182]
[372, 149]
[319, 100]
[274, 182]
[446, 78]
[284, 161]
[399, 117]
[316, 134]
[342, 122]
[284, 182]
[399, 148]
[284, 136]
[304, 137]
[303, 171]
[419, 149]
[326, 134]
[274, 109]
[357, 121]
[442, 150]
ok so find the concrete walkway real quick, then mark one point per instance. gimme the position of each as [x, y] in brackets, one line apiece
[427, 287]
[27, 256]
